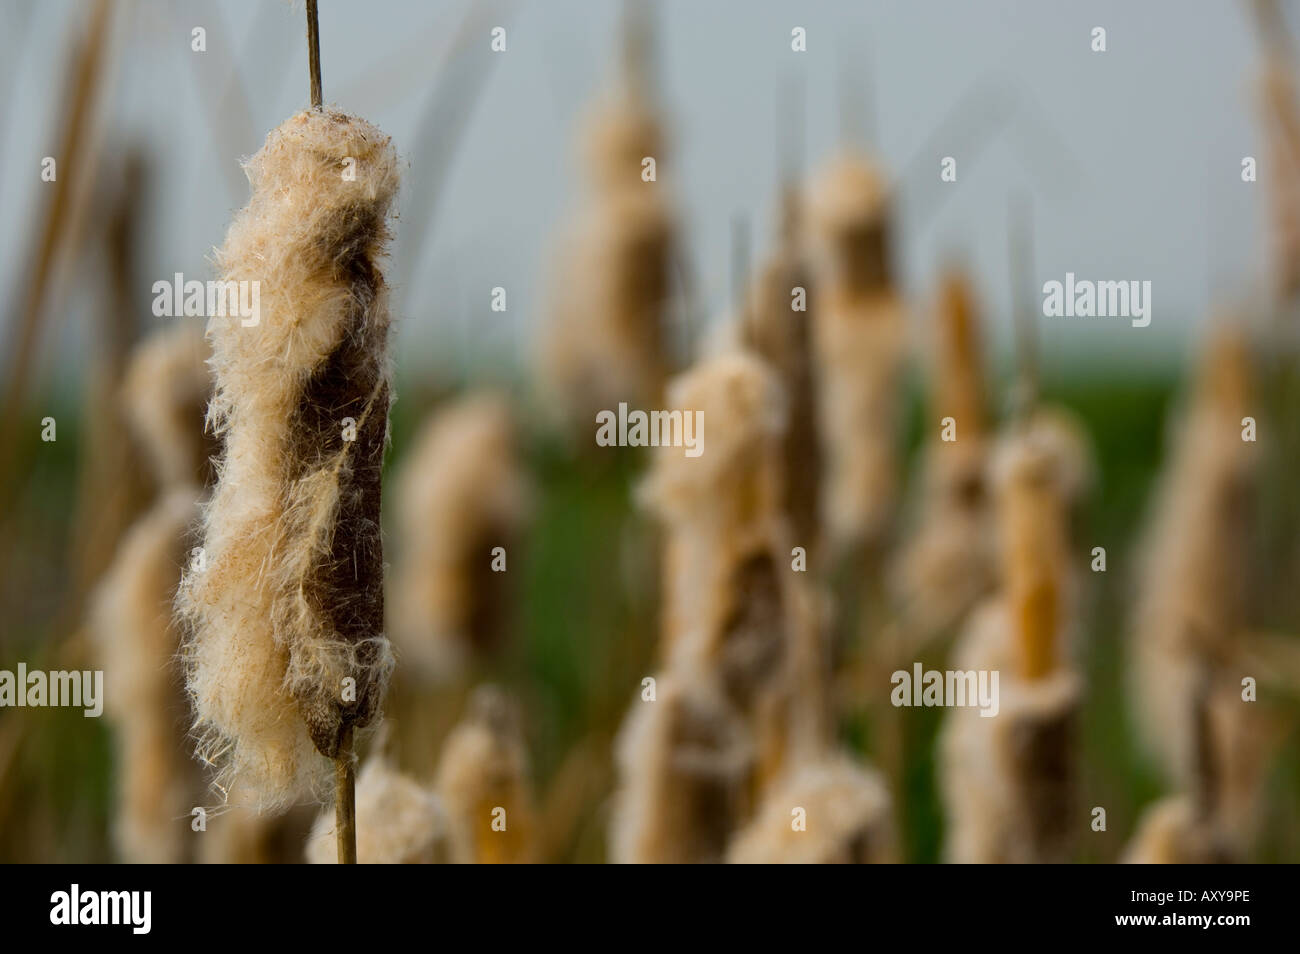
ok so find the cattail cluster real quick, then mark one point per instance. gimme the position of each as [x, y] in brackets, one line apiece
[286, 651]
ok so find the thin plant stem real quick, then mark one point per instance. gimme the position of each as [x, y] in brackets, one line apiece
[313, 53]
[345, 801]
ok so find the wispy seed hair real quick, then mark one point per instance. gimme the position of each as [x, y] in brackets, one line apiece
[291, 600]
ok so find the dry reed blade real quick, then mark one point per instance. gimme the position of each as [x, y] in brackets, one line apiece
[24, 322]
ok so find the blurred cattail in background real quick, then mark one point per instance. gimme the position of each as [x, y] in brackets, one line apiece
[1009, 780]
[399, 821]
[1190, 619]
[719, 723]
[724, 504]
[136, 644]
[136, 640]
[833, 812]
[1277, 110]
[1173, 831]
[949, 562]
[742, 704]
[734, 604]
[860, 338]
[686, 763]
[462, 493]
[777, 325]
[483, 781]
[608, 339]
[286, 653]
[167, 386]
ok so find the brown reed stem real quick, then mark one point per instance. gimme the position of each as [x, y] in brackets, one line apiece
[76, 158]
[345, 801]
[313, 54]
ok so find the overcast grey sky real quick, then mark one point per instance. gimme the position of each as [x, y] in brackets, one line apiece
[1139, 177]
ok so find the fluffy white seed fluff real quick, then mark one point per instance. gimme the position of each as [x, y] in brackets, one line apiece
[265, 658]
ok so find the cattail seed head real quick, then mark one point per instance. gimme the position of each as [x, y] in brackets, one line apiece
[484, 784]
[1278, 110]
[609, 335]
[136, 639]
[742, 400]
[617, 135]
[1171, 832]
[685, 763]
[847, 819]
[721, 508]
[950, 561]
[849, 215]
[136, 643]
[1039, 472]
[860, 341]
[1009, 781]
[165, 395]
[608, 341]
[958, 376]
[461, 493]
[290, 603]
[1190, 607]
[783, 337]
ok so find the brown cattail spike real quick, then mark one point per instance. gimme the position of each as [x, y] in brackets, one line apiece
[959, 381]
[1032, 552]
[287, 649]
